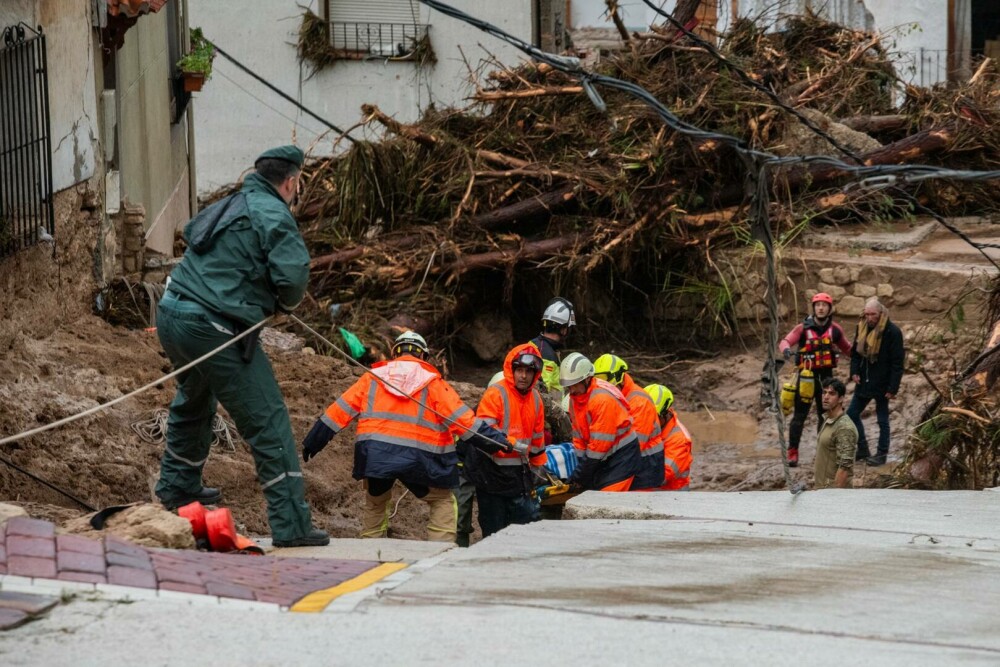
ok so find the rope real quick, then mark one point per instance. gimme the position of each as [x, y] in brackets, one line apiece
[396, 507]
[395, 389]
[154, 429]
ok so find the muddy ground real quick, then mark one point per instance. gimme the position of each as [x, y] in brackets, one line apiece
[103, 461]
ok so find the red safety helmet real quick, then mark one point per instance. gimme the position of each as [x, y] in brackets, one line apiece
[823, 296]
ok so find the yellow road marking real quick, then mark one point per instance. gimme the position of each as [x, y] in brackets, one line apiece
[317, 601]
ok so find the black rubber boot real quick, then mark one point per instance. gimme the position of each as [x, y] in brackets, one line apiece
[315, 538]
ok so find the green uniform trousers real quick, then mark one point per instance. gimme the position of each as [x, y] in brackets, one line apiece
[250, 394]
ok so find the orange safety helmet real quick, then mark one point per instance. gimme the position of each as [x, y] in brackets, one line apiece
[823, 296]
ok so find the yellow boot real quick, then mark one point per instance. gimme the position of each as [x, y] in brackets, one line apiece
[443, 520]
[375, 515]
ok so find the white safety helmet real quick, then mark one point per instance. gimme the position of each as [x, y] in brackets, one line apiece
[496, 379]
[409, 342]
[560, 311]
[575, 368]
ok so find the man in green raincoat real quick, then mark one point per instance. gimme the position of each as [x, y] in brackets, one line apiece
[245, 261]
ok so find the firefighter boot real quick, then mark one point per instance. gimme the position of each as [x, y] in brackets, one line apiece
[443, 519]
[375, 516]
[793, 457]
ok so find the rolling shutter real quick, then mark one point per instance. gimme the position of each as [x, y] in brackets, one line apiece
[374, 11]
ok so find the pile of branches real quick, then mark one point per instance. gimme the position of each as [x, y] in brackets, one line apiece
[536, 183]
[957, 444]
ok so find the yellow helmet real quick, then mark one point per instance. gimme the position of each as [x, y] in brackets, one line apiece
[612, 368]
[662, 397]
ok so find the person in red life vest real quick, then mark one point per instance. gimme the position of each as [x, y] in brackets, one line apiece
[676, 441]
[603, 440]
[645, 423]
[408, 419]
[815, 344]
[505, 481]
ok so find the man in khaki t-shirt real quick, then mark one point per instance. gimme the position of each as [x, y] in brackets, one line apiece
[838, 440]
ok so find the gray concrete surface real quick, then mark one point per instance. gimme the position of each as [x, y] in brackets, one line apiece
[830, 578]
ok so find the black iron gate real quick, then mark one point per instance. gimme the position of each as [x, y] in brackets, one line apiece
[26, 213]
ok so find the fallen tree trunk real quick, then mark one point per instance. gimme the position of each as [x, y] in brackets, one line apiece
[527, 208]
[350, 254]
[494, 95]
[870, 124]
[530, 250]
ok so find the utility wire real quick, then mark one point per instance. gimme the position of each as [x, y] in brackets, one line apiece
[280, 92]
[280, 113]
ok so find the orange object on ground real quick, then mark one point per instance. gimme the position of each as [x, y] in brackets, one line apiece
[195, 513]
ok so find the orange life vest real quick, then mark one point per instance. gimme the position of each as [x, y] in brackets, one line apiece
[817, 348]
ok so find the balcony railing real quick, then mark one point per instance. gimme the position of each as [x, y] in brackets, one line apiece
[392, 41]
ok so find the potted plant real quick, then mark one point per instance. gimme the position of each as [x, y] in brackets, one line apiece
[196, 65]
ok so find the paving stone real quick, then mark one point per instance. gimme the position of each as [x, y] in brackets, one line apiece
[28, 566]
[79, 544]
[181, 587]
[228, 590]
[3, 554]
[119, 546]
[3, 568]
[85, 577]
[21, 525]
[81, 562]
[129, 576]
[11, 618]
[135, 562]
[38, 547]
[26, 602]
[178, 575]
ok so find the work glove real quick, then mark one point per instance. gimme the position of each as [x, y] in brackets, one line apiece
[491, 440]
[787, 353]
[318, 438]
[521, 448]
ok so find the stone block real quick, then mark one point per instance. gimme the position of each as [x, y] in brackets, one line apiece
[871, 275]
[835, 291]
[855, 272]
[884, 290]
[826, 275]
[850, 306]
[194, 589]
[83, 577]
[928, 304]
[135, 562]
[28, 566]
[902, 296]
[129, 264]
[79, 544]
[79, 562]
[864, 291]
[130, 576]
[842, 275]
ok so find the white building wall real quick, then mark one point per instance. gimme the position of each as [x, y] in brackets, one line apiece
[71, 58]
[236, 118]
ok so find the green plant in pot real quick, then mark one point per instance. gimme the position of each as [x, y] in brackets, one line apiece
[196, 65]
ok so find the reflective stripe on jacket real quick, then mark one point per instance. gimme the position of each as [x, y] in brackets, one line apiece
[605, 444]
[397, 437]
[646, 425]
[522, 418]
[550, 363]
[677, 456]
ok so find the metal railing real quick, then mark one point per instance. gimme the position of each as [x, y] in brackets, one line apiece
[26, 212]
[926, 67]
[399, 41]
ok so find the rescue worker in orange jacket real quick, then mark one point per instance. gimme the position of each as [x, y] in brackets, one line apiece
[813, 344]
[408, 419]
[505, 481]
[606, 446]
[645, 422]
[676, 441]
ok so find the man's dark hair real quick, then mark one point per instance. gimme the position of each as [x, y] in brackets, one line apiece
[837, 385]
[275, 171]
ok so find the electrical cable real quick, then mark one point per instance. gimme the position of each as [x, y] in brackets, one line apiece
[280, 113]
[281, 93]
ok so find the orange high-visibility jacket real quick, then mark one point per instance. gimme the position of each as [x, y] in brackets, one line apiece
[522, 418]
[602, 436]
[398, 438]
[646, 424]
[676, 455]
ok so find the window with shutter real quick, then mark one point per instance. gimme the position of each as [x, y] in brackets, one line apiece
[376, 28]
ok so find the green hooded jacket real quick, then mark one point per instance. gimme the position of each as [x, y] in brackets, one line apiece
[246, 258]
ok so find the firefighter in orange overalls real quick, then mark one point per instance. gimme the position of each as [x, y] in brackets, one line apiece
[676, 440]
[644, 419]
[505, 481]
[408, 419]
[606, 446]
